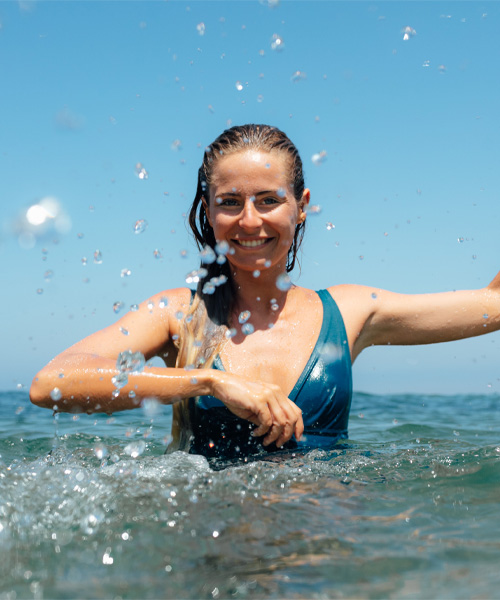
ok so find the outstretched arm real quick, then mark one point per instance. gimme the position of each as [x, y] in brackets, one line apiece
[81, 378]
[378, 317]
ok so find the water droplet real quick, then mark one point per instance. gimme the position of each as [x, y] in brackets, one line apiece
[281, 192]
[140, 226]
[460, 240]
[130, 362]
[84, 261]
[120, 380]
[256, 273]
[207, 255]
[176, 145]
[98, 257]
[196, 275]
[134, 307]
[200, 28]
[244, 316]
[485, 316]
[426, 63]
[330, 226]
[374, 295]
[222, 247]
[221, 259]
[100, 451]
[260, 98]
[179, 314]
[56, 394]
[48, 275]
[277, 43]
[313, 209]
[163, 302]
[151, 407]
[79, 236]
[283, 282]
[230, 333]
[124, 331]
[408, 32]
[247, 328]
[157, 253]
[361, 257]
[239, 86]
[150, 305]
[208, 288]
[319, 157]
[131, 394]
[135, 449]
[183, 253]
[117, 306]
[298, 76]
[267, 264]
[91, 522]
[442, 69]
[39, 291]
[140, 171]
[125, 273]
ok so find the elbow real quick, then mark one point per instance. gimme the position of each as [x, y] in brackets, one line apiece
[39, 390]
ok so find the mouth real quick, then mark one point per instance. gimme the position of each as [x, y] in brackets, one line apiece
[253, 243]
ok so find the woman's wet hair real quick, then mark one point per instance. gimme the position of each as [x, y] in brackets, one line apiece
[263, 138]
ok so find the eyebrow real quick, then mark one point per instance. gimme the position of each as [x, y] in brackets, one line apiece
[256, 194]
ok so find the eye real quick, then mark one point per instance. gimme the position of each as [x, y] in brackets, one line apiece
[269, 200]
[227, 202]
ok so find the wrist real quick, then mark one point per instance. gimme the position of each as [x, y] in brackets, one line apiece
[205, 382]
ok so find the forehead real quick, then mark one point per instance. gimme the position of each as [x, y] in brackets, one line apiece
[248, 168]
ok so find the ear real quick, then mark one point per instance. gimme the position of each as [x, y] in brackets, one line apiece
[304, 203]
[207, 210]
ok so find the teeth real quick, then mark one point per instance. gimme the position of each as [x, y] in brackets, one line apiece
[251, 243]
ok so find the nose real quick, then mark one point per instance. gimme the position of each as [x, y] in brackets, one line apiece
[250, 218]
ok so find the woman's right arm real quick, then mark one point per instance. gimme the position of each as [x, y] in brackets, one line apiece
[80, 379]
[82, 375]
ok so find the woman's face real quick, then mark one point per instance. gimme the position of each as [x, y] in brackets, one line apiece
[251, 206]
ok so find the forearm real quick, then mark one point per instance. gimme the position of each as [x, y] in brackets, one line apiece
[85, 384]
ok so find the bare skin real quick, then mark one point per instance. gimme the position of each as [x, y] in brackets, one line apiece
[251, 206]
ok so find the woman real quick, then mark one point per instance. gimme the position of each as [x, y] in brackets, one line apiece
[253, 362]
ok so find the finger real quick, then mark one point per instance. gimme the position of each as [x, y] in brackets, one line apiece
[299, 428]
[264, 421]
[293, 423]
[280, 430]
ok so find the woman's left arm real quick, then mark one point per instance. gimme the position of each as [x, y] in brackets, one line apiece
[378, 317]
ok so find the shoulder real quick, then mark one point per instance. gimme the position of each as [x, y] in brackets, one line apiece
[174, 299]
[354, 297]
[163, 308]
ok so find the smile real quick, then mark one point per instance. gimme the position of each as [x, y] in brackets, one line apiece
[252, 243]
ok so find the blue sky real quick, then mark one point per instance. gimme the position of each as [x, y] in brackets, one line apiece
[410, 179]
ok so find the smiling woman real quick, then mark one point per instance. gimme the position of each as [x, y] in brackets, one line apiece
[252, 361]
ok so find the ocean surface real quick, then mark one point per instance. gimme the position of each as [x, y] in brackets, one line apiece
[408, 507]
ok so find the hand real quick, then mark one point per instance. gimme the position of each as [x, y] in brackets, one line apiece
[263, 404]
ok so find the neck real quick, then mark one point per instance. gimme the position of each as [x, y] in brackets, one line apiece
[259, 294]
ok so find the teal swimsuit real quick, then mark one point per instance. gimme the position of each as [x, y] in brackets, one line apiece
[323, 393]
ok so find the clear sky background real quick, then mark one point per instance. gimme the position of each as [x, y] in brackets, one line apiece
[410, 180]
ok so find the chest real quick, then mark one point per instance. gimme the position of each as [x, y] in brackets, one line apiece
[275, 355]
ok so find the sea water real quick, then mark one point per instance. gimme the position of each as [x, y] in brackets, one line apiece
[91, 507]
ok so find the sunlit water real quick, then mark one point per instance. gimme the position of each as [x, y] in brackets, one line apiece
[408, 508]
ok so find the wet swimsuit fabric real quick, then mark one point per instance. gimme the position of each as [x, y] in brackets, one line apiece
[323, 393]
